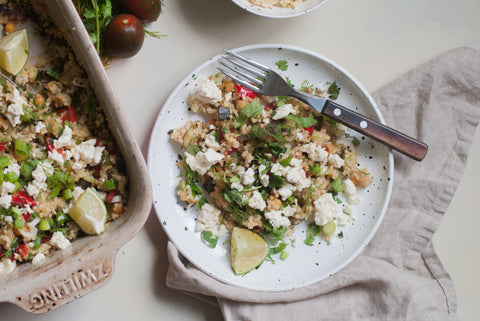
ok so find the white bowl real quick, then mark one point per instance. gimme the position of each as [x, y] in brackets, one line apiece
[277, 12]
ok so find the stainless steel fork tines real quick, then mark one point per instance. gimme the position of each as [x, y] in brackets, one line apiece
[263, 80]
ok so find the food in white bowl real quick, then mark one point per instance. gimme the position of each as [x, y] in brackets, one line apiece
[267, 164]
[279, 8]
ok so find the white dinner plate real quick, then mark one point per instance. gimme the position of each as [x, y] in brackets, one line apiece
[278, 12]
[306, 264]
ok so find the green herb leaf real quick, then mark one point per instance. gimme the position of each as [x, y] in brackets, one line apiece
[192, 149]
[282, 65]
[304, 122]
[275, 181]
[333, 91]
[210, 239]
[285, 162]
[251, 110]
[202, 201]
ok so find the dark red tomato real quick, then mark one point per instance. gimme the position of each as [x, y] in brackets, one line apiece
[124, 36]
[145, 10]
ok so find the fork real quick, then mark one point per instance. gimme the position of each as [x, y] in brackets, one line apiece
[263, 80]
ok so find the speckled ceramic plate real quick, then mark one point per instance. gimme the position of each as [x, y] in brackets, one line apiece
[306, 264]
[278, 12]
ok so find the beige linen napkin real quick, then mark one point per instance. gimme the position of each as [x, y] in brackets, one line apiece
[398, 276]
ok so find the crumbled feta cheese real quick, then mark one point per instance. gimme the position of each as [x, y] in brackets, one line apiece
[65, 139]
[13, 167]
[286, 191]
[248, 177]
[77, 192]
[228, 96]
[283, 111]
[335, 160]
[280, 218]
[5, 201]
[38, 259]
[88, 152]
[6, 188]
[315, 153]
[237, 185]
[206, 91]
[76, 166]
[350, 191]
[15, 109]
[296, 176]
[202, 161]
[7, 266]
[39, 126]
[278, 169]
[256, 201]
[59, 241]
[326, 209]
[56, 156]
[264, 178]
[211, 142]
[116, 199]
[209, 220]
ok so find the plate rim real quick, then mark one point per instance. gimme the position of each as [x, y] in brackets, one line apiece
[370, 100]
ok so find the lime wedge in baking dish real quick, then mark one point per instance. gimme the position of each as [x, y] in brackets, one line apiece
[14, 51]
[248, 250]
[89, 212]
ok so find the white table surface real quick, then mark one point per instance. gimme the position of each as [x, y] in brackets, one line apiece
[376, 40]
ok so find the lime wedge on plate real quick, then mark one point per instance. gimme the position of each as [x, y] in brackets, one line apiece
[89, 212]
[248, 250]
[14, 51]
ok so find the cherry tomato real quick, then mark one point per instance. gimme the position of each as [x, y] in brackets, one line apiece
[145, 10]
[124, 35]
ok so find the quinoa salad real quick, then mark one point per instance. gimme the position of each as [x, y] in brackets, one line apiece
[55, 143]
[267, 164]
[277, 3]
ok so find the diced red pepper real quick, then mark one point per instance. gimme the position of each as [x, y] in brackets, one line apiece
[231, 151]
[245, 92]
[26, 216]
[269, 106]
[310, 129]
[69, 114]
[21, 199]
[111, 195]
[22, 250]
[2, 147]
[45, 239]
[96, 171]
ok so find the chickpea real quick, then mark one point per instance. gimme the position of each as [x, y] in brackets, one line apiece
[241, 104]
[275, 204]
[9, 27]
[117, 208]
[39, 100]
[228, 86]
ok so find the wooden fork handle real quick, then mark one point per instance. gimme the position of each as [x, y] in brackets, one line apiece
[384, 134]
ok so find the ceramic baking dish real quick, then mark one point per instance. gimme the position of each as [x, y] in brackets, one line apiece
[90, 261]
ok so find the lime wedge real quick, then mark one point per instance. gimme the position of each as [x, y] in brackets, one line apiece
[14, 51]
[248, 250]
[89, 212]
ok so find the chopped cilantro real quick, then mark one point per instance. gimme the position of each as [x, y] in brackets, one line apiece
[304, 122]
[333, 91]
[275, 181]
[251, 110]
[285, 162]
[282, 65]
[201, 202]
[209, 238]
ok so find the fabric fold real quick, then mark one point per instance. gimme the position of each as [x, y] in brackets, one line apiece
[398, 275]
